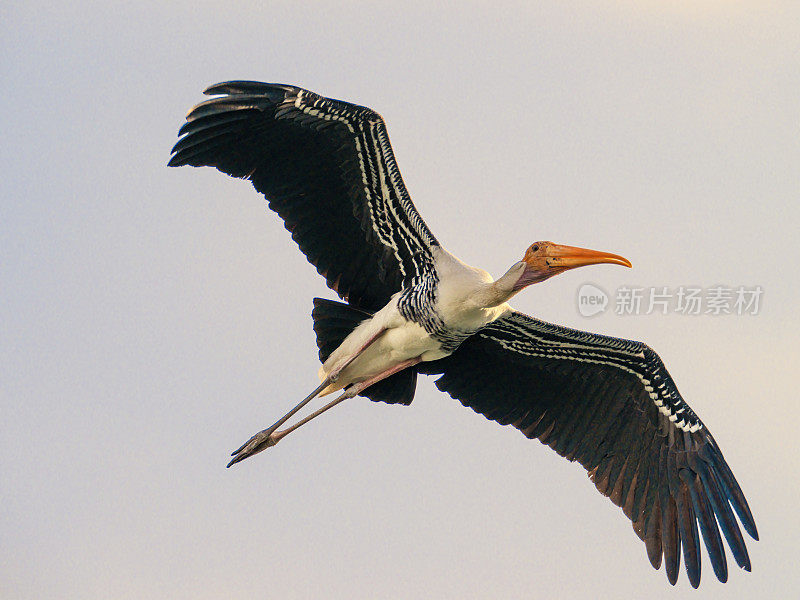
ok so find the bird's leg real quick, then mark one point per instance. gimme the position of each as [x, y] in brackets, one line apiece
[350, 392]
[263, 439]
[270, 437]
[333, 376]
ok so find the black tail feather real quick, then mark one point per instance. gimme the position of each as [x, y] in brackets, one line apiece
[333, 321]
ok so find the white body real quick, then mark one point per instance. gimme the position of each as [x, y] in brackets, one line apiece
[467, 298]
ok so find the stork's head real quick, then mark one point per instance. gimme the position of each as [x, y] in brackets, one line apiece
[545, 259]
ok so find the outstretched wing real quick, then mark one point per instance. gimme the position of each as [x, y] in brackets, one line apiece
[611, 405]
[327, 168]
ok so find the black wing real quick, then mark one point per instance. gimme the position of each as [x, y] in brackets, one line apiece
[611, 405]
[327, 168]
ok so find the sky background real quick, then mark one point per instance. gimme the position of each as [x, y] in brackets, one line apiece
[152, 319]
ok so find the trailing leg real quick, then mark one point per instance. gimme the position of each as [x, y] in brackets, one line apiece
[269, 437]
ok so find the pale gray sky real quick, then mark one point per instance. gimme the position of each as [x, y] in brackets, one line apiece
[153, 318]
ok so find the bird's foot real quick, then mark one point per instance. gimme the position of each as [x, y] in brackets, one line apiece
[259, 442]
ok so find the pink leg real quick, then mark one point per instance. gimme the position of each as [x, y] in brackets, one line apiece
[264, 435]
[265, 439]
[334, 375]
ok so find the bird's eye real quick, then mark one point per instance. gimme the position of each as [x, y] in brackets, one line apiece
[535, 248]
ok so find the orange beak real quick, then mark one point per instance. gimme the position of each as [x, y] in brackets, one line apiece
[545, 259]
[570, 257]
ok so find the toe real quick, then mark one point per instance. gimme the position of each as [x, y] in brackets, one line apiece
[260, 441]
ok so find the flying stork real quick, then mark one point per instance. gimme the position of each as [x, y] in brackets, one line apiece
[327, 168]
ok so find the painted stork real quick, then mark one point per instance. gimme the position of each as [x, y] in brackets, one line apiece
[326, 167]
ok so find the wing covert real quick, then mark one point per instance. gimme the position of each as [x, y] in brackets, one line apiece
[611, 405]
[327, 168]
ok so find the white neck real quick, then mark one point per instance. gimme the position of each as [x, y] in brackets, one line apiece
[499, 291]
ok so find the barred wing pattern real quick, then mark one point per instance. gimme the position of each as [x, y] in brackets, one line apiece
[327, 168]
[611, 405]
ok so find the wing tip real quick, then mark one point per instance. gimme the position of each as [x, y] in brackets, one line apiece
[245, 86]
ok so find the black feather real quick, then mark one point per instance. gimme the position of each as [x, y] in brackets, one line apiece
[304, 153]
